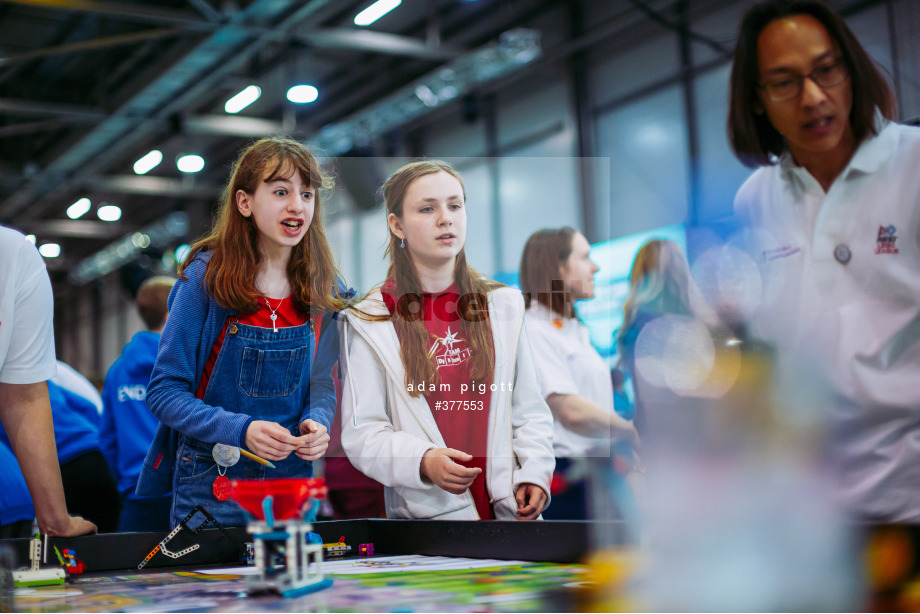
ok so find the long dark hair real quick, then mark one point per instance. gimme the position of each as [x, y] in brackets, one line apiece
[545, 251]
[753, 138]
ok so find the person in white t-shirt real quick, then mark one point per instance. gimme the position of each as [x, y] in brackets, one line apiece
[557, 270]
[836, 209]
[26, 363]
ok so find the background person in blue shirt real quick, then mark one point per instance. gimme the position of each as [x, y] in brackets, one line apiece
[89, 487]
[128, 426]
[16, 509]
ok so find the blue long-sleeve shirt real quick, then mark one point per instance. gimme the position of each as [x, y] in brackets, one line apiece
[128, 426]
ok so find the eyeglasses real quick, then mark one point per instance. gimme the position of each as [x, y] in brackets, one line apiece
[790, 87]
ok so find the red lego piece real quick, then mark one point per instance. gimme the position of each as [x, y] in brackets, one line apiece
[366, 550]
[73, 565]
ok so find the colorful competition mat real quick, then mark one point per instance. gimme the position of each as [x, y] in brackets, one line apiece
[394, 583]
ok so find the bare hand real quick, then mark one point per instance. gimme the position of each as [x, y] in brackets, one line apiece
[270, 440]
[314, 440]
[438, 466]
[530, 501]
[71, 526]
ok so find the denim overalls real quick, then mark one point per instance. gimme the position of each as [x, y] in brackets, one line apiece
[264, 374]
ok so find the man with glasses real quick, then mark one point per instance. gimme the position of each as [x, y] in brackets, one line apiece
[836, 206]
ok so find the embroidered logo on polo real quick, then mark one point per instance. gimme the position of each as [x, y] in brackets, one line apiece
[886, 243]
[451, 355]
[780, 252]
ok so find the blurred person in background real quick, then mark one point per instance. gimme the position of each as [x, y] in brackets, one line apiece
[16, 509]
[732, 486]
[71, 379]
[834, 206]
[89, 486]
[26, 363]
[659, 284]
[128, 426]
[556, 271]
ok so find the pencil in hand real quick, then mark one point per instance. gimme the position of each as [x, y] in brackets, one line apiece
[256, 458]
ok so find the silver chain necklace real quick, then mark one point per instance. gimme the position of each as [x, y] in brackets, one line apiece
[274, 315]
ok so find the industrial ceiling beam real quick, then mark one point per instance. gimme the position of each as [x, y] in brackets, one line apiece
[88, 45]
[158, 235]
[235, 125]
[81, 229]
[231, 125]
[164, 96]
[140, 13]
[205, 83]
[207, 11]
[377, 42]
[151, 186]
[36, 126]
[17, 106]
[334, 38]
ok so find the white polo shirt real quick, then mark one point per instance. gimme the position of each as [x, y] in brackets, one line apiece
[26, 313]
[567, 363]
[841, 277]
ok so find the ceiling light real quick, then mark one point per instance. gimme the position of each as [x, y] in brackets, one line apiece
[109, 213]
[302, 94]
[375, 12]
[514, 49]
[79, 208]
[30, 239]
[243, 99]
[161, 234]
[50, 250]
[190, 163]
[148, 162]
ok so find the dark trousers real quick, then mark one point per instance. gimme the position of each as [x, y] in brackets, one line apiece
[90, 490]
[571, 503]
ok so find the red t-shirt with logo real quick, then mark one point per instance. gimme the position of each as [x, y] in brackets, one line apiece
[460, 407]
[287, 316]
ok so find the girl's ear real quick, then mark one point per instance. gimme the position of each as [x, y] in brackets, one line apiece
[243, 203]
[395, 226]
